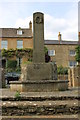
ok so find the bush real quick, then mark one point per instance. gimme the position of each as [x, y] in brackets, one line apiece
[62, 70]
[12, 64]
[18, 69]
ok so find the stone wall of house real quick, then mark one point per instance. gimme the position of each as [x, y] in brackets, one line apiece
[62, 56]
[12, 42]
[74, 76]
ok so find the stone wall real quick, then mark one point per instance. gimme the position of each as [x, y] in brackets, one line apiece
[39, 110]
[62, 56]
[41, 106]
[12, 42]
[74, 76]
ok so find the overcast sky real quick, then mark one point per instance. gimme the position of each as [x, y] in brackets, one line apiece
[58, 17]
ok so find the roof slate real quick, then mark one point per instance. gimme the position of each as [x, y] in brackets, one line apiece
[12, 32]
[63, 42]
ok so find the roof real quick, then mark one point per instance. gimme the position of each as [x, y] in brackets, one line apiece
[12, 32]
[26, 32]
[57, 42]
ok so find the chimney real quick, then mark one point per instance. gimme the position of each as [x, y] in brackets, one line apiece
[79, 38]
[30, 25]
[59, 37]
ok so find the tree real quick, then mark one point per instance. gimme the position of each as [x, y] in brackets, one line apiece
[78, 54]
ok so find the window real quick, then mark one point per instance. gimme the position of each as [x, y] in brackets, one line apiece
[19, 61]
[19, 43]
[72, 53]
[51, 52]
[19, 32]
[72, 63]
[4, 44]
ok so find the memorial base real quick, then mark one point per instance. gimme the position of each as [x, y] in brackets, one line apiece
[39, 86]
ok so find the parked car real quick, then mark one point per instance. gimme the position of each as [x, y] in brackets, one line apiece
[11, 76]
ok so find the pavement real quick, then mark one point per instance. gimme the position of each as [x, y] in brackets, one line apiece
[72, 92]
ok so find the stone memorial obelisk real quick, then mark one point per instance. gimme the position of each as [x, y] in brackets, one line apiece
[38, 39]
[38, 76]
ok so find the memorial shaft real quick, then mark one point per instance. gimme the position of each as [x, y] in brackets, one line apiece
[38, 38]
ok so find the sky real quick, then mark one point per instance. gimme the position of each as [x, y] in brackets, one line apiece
[58, 17]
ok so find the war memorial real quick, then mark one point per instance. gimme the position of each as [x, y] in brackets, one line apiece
[38, 93]
[35, 76]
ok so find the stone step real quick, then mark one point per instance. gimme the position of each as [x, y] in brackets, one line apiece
[39, 103]
[40, 117]
[69, 107]
[25, 98]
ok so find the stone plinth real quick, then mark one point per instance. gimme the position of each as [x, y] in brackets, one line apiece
[40, 71]
[37, 78]
[39, 86]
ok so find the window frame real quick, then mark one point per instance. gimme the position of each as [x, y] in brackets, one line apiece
[51, 52]
[19, 45]
[2, 46]
[19, 32]
[71, 53]
[74, 63]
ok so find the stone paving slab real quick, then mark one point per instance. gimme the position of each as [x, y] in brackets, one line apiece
[71, 92]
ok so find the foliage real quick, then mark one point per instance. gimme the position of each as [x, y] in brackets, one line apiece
[17, 95]
[11, 65]
[17, 52]
[45, 49]
[18, 69]
[62, 70]
[78, 53]
[27, 62]
[8, 53]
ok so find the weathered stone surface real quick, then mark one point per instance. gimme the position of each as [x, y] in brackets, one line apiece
[38, 39]
[40, 71]
[33, 104]
[2, 78]
[39, 76]
[39, 86]
[40, 110]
